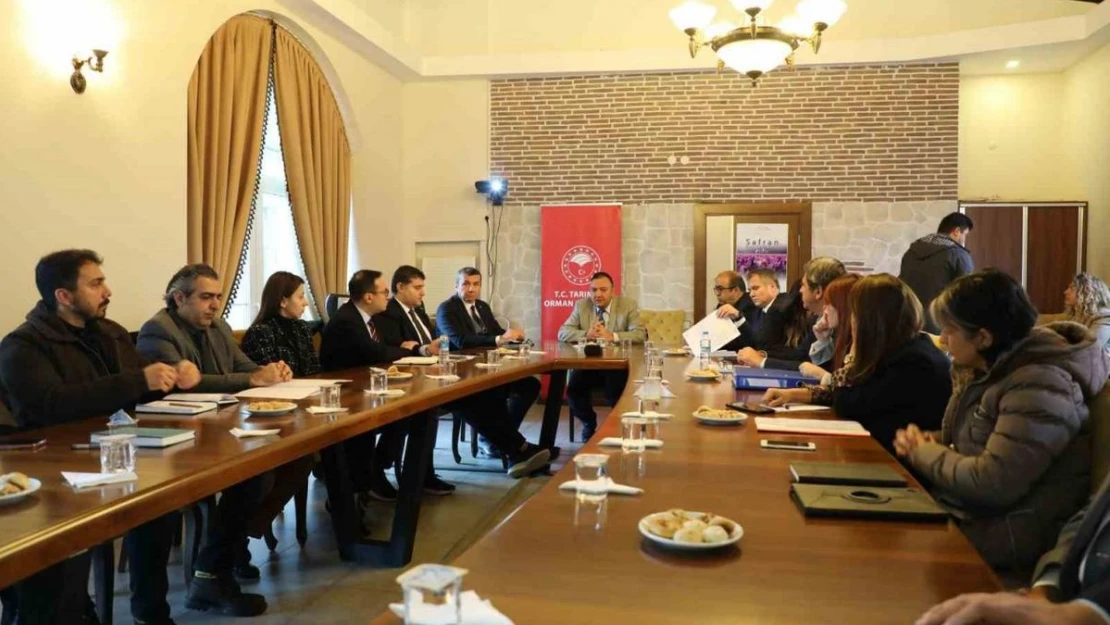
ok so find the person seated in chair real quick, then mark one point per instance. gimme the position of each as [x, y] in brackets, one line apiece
[1013, 457]
[69, 362]
[734, 303]
[781, 351]
[1071, 584]
[190, 328]
[603, 315]
[468, 323]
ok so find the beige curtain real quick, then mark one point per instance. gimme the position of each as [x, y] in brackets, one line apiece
[317, 165]
[227, 104]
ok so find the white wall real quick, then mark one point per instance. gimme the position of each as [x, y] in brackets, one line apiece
[1087, 133]
[1011, 146]
[107, 169]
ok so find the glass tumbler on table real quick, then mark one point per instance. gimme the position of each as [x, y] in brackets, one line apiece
[632, 433]
[432, 594]
[117, 453]
[329, 396]
[493, 358]
[379, 381]
[591, 477]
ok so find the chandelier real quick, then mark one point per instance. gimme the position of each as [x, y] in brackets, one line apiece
[755, 48]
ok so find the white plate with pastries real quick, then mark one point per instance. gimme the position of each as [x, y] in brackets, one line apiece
[676, 351]
[684, 530]
[393, 373]
[719, 416]
[703, 374]
[269, 408]
[16, 486]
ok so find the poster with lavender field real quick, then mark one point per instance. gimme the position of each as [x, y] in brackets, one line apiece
[762, 246]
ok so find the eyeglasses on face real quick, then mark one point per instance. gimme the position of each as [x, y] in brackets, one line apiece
[719, 289]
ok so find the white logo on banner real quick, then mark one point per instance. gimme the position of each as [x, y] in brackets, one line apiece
[579, 263]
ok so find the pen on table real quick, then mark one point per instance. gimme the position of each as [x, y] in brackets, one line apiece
[85, 446]
[182, 404]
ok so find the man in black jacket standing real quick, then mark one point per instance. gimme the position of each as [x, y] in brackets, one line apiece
[935, 260]
[68, 363]
[468, 322]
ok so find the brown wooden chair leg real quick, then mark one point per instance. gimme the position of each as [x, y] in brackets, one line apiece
[271, 540]
[457, 433]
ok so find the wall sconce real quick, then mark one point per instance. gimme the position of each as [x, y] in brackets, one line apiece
[77, 80]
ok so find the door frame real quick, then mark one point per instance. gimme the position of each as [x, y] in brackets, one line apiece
[804, 211]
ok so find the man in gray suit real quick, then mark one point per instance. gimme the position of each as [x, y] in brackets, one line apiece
[602, 316]
[189, 328]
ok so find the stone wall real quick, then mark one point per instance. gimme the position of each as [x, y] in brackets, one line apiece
[658, 249]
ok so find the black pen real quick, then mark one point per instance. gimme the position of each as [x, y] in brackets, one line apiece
[85, 446]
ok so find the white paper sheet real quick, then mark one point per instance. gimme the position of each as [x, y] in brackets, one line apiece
[312, 382]
[810, 426]
[280, 391]
[721, 332]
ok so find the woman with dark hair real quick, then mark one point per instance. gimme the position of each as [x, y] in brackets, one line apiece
[278, 333]
[833, 329]
[1013, 457]
[892, 375]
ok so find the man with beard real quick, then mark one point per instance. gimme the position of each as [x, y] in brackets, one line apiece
[606, 316]
[67, 362]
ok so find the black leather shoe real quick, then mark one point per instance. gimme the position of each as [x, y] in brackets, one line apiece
[222, 595]
[245, 573]
[435, 486]
[381, 489]
[529, 459]
[588, 431]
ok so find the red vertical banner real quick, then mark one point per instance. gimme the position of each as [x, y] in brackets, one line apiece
[578, 241]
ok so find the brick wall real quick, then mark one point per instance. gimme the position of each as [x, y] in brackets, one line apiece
[853, 133]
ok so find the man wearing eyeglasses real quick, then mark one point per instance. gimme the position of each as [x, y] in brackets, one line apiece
[734, 303]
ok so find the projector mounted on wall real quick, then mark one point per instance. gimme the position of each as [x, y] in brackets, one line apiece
[495, 189]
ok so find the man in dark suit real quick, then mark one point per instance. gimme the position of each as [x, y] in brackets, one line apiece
[468, 322]
[1071, 585]
[734, 303]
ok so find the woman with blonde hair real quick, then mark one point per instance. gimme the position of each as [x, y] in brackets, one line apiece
[892, 375]
[1087, 301]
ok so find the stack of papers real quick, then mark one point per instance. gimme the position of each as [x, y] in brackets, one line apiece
[721, 332]
[86, 480]
[417, 360]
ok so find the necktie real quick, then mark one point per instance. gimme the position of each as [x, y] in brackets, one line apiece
[601, 315]
[424, 338]
[373, 330]
[478, 325]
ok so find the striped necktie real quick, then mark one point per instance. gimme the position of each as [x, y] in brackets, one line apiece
[373, 330]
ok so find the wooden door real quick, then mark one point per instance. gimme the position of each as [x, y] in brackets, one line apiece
[995, 241]
[710, 220]
[1053, 255]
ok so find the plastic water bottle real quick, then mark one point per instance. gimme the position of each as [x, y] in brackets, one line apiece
[705, 349]
[444, 350]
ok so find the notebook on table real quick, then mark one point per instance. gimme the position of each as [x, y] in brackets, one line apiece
[866, 502]
[846, 474]
[156, 438]
[822, 427]
[167, 406]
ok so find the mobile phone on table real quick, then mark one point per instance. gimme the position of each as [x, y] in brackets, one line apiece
[749, 407]
[788, 445]
[13, 444]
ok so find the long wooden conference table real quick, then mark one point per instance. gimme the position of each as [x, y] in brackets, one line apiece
[550, 561]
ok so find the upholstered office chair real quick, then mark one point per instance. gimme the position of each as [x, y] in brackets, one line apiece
[663, 326]
[1099, 408]
[333, 301]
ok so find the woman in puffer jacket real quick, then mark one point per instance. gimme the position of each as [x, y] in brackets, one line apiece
[1012, 460]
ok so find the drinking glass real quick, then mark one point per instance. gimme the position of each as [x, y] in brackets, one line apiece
[432, 594]
[632, 433]
[379, 382]
[626, 345]
[591, 477]
[117, 453]
[525, 350]
[649, 346]
[652, 390]
[493, 358]
[447, 368]
[329, 396]
[653, 430]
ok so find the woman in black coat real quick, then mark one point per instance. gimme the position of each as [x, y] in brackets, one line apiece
[893, 375]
